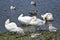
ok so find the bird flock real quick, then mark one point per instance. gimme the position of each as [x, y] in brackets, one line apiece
[30, 20]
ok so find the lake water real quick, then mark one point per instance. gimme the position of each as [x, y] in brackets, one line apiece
[24, 6]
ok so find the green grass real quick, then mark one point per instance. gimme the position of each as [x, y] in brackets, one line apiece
[45, 35]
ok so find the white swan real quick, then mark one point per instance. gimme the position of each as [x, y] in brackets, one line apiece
[12, 27]
[47, 16]
[30, 20]
[25, 19]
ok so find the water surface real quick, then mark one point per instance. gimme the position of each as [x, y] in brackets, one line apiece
[24, 6]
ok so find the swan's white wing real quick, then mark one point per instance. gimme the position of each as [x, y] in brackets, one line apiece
[20, 30]
[11, 26]
[41, 22]
[25, 19]
[37, 22]
[50, 17]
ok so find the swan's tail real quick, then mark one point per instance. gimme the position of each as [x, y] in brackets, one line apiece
[20, 16]
[7, 21]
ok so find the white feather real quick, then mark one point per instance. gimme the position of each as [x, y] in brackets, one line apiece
[49, 16]
[31, 20]
[12, 27]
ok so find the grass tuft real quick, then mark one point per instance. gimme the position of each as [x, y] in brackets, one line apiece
[46, 35]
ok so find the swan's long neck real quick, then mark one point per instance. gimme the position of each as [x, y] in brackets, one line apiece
[7, 21]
